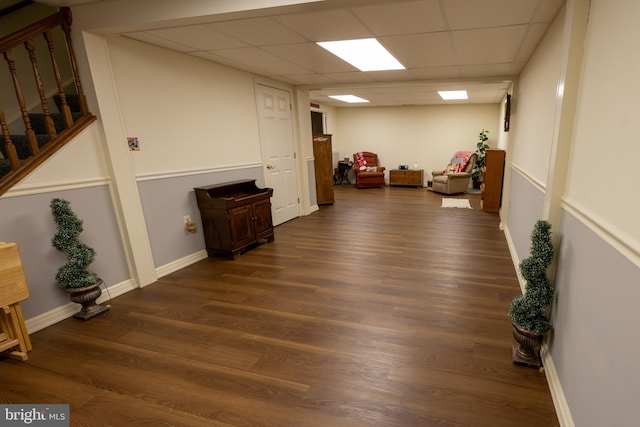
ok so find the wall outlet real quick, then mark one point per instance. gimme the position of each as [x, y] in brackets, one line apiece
[189, 225]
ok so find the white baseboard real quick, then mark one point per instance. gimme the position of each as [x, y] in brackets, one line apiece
[181, 263]
[65, 311]
[555, 387]
[514, 256]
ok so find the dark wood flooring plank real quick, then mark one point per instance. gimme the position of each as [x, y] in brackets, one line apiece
[383, 309]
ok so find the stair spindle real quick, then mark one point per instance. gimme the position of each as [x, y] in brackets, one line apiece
[9, 148]
[66, 27]
[48, 121]
[64, 107]
[29, 133]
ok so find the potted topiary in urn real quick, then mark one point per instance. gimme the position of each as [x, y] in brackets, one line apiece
[528, 311]
[74, 277]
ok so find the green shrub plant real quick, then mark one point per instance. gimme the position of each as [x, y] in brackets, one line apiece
[75, 273]
[528, 311]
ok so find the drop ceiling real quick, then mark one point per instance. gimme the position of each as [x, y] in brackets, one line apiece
[477, 45]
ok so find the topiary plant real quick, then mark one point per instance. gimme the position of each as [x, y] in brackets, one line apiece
[528, 310]
[75, 273]
[481, 148]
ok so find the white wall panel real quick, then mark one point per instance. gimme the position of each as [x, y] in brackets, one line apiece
[534, 106]
[188, 113]
[603, 179]
[80, 161]
[427, 135]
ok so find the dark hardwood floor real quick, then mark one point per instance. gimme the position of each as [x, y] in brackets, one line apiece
[383, 309]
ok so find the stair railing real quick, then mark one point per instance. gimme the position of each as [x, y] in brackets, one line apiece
[16, 163]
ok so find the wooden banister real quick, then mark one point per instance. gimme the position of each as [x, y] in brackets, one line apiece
[24, 152]
[17, 38]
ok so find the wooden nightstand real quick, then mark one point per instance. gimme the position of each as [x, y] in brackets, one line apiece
[406, 177]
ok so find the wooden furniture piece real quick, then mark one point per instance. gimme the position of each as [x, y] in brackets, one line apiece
[406, 177]
[13, 289]
[323, 164]
[234, 216]
[491, 186]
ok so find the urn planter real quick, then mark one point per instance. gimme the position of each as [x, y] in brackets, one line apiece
[526, 349]
[87, 296]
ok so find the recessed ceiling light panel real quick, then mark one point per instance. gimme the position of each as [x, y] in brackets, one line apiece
[364, 54]
[348, 98]
[448, 95]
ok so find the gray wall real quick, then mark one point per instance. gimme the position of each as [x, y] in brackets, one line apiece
[166, 200]
[595, 345]
[525, 208]
[27, 221]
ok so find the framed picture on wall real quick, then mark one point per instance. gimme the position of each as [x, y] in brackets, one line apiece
[507, 112]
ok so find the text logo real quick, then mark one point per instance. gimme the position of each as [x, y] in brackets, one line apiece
[35, 415]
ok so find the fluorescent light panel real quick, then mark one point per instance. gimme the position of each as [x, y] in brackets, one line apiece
[364, 54]
[348, 98]
[453, 94]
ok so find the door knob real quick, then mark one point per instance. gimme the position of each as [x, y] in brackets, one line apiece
[270, 166]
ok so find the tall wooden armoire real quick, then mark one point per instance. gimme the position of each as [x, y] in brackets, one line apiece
[323, 161]
[492, 180]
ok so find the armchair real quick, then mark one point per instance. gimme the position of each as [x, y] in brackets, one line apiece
[367, 169]
[456, 177]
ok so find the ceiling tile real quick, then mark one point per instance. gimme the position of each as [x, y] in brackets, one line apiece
[489, 45]
[258, 32]
[199, 37]
[311, 56]
[232, 63]
[392, 75]
[351, 77]
[310, 78]
[531, 41]
[516, 68]
[402, 17]
[326, 26]
[485, 70]
[547, 10]
[159, 41]
[440, 72]
[421, 50]
[259, 59]
[462, 14]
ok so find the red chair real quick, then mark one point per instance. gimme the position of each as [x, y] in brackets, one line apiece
[368, 171]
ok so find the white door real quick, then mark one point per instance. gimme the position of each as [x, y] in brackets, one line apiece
[278, 154]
